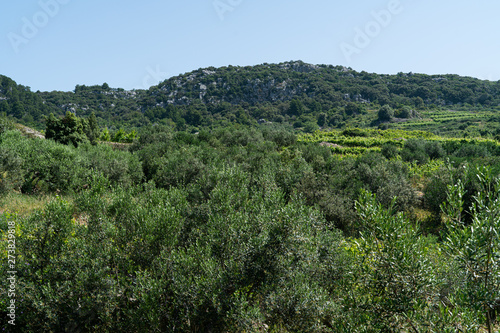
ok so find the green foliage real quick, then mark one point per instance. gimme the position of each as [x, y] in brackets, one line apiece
[388, 179]
[6, 124]
[322, 119]
[385, 113]
[38, 166]
[435, 190]
[105, 135]
[282, 138]
[352, 109]
[406, 112]
[243, 229]
[251, 245]
[393, 267]
[469, 151]
[119, 136]
[476, 247]
[356, 141]
[92, 129]
[389, 150]
[68, 130]
[414, 151]
[10, 170]
[296, 108]
[206, 98]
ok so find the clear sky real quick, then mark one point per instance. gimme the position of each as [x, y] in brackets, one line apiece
[57, 44]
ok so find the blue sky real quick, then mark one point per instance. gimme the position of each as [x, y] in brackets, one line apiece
[57, 44]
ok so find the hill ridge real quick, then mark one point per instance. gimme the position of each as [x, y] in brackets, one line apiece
[212, 92]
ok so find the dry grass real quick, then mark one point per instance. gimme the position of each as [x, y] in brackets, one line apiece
[22, 204]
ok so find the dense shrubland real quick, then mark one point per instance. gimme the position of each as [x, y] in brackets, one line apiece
[254, 230]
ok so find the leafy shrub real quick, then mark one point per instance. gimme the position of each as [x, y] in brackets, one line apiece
[472, 151]
[48, 166]
[476, 247]
[390, 150]
[282, 138]
[388, 179]
[121, 167]
[239, 137]
[355, 132]
[10, 170]
[415, 150]
[435, 190]
[178, 169]
[385, 113]
[391, 251]
[70, 129]
[435, 150]
[252, 245]
[6, 124]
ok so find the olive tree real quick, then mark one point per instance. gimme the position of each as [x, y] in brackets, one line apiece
[476, 246]
[385, 113]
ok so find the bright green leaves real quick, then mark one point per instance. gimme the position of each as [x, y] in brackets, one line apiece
[477, 246]
[393, 270]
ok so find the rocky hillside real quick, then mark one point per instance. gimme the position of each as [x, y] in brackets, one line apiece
[246, 94]
[283, 82]
[237, 85]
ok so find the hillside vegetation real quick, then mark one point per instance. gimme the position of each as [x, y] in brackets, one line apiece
[247, 230]
[275, 198]
[303, 95]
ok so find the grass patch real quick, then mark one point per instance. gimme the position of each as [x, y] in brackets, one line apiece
[23, 204]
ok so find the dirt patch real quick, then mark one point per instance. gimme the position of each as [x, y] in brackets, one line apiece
[82, 219]
[331, 145]
[117, 145]
[29, 132]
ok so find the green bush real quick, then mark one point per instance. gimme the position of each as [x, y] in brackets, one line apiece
[435, 190]
[11, 171]
[282, 138]
[397, 282]
[476, 247]
[388, 179]
[472, 151]
[252, 245]
[435, 150]
[6, 124]
[385, 113]
[48, 166]
[67, 130]
[390, 151]
[414, 150]
[121, 167]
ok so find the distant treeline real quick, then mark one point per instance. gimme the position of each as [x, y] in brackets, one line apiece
[296, 93]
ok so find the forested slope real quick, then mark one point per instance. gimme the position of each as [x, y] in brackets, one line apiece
[291, 92]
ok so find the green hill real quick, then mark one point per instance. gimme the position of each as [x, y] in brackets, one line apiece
[304, 95]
